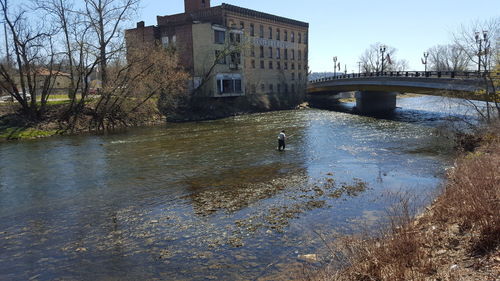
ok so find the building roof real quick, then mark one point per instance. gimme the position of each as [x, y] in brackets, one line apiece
[45, 72]
[257, 14]
[210, 13]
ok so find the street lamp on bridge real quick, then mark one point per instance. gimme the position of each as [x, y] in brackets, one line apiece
[382, 51]
[359, 67]
[480, 41]
[424, 61]
[335, 66]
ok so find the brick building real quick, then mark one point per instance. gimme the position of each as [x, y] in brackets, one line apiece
[232, 51]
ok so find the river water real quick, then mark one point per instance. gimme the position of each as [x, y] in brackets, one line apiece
[211, 200]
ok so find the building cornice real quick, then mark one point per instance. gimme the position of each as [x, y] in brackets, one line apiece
[257, 14]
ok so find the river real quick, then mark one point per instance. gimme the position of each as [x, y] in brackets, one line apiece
[211, 200]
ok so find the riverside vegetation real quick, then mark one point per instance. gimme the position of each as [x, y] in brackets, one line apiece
[107, 85]
[456, 238]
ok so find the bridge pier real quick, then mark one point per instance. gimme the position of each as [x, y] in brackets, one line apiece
[375, 101]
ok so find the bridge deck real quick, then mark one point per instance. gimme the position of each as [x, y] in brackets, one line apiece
[433, 83]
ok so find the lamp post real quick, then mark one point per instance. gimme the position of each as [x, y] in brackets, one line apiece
[486, 50]
[426, 55]
[479, 41]
[335, 66]
[359, 67]
[382, 51]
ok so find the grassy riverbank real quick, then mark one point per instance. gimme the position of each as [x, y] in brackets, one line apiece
[456, 238]
[15, 126]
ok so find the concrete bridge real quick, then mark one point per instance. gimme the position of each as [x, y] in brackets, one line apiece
[378, 91]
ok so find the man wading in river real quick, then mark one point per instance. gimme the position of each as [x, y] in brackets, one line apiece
[281, 140]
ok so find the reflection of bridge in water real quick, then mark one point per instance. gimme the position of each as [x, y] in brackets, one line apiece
[377, 91]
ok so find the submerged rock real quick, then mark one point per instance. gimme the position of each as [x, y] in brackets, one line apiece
[308, 257]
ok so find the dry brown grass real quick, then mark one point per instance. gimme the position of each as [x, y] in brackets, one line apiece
[457, 238]
[472, 199]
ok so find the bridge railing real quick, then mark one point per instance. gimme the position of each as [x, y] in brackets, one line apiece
[413, 74]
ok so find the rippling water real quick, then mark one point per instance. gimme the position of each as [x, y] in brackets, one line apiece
[209, 200]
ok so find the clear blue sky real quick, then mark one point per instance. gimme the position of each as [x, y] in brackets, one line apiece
[346, 28]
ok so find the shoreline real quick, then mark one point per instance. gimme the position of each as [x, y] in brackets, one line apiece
[456, 237]
[10, 131]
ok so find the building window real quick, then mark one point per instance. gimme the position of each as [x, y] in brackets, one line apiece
[270, 64]
[292, 37]
[285, 65]
[242, 25]
[261, 31]
[279, 88]
[285, 34]
[234, 37]
[220, 58]
[165, 41]
[286, 54]
[299, 53]
[220, 37]
[270, 33]
[228, 85]
[262, 88]
[286, 88]
[270, 52]
[237, 86]
[278, 34]
[235, 58]
[278, 65]
[300, 38]
[261, 49]
[292, 66]
[253, 63]
[299, 66]
[278, 53]
[305, 38]
[293, 88]
[252, 51]
[293, 54]
[293, 76]
[262, 64]
[300, 76]
[271, 88]
[252, 30]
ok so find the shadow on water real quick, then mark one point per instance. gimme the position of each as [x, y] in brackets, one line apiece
[425, 110]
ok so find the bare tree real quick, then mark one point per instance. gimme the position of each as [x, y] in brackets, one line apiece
[149, 75]
[471, 40]
[106, 18]
[448, 58]
[401, 65]
[64, 17]
[31, 80]
[131, 88]
[231, 52]
[480, 42]
[371, 59]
